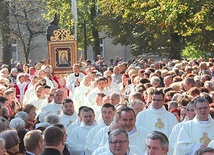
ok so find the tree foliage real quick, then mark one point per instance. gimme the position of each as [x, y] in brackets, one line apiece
[26, 24]
[192, 52]
[151, 24]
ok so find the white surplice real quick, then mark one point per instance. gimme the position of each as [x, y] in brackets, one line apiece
[193, 134]
[156, 119]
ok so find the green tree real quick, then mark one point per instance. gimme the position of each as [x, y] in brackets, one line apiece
[192, 52]
[161, 24]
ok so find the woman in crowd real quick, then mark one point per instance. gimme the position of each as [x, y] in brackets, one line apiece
[11, 142]
[13, 106]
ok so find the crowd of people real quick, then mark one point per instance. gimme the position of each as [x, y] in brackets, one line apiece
[121, 108]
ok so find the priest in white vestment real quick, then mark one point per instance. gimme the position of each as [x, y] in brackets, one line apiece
[30, 90]
[76, 140]
[137, 135]
[55, 106]
[81, 92]
[40, 99]
[100, 88]
[176, 129]
[108, 112]
[42, 75]
[198, 132]
[73, 80]
[111, 86]
[156, 117]
[68, 115]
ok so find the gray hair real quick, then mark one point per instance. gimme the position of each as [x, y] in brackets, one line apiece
[115, 94]
[204, 150]
[189, 104]
[155, 80]
[137, 101]
[117, 132]
[164, 142]
[17, 123]
[23, 115]
[52, 118]
[200, 99]
[174, 104]
[4, 124]
[42, 116]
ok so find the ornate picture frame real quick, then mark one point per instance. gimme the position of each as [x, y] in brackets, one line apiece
[62, 52]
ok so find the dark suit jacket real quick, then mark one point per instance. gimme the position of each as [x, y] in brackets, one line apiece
[50, 151]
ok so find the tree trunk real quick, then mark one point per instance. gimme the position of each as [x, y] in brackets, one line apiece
[175, 45]
[5, 32]
[95, 32]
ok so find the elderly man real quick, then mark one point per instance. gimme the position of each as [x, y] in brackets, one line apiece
[34, 142]
[115, 98]
[56, 105]
[118, 143]
[77, 138]
[197, 133]
[68, 115]
[156, 117]
[54, 141]
[157, 143]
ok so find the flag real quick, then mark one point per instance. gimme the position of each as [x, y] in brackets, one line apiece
[74, 9]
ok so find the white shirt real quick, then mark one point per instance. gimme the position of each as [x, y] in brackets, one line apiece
[90, 137]
[70, 82]
[91, 97]
[132, 150]
[160, 120]
[52, 107]
[193, 134]
[77, 138]
[39, 103]
[66, 120]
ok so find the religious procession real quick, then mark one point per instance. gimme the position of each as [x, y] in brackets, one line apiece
[76, 77]
[160, 108]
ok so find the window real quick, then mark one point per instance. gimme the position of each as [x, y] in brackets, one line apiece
[102, 53]
[14, 52]
[102, 47]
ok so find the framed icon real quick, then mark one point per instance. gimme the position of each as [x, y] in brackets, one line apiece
[62, 53]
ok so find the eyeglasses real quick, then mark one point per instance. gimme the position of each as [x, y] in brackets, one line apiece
[156, 100]
[191, 110]
[200, 108]
[118, 142]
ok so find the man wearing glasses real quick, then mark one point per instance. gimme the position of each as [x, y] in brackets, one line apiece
[197, 133]
[156, 117]
[118, 143]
